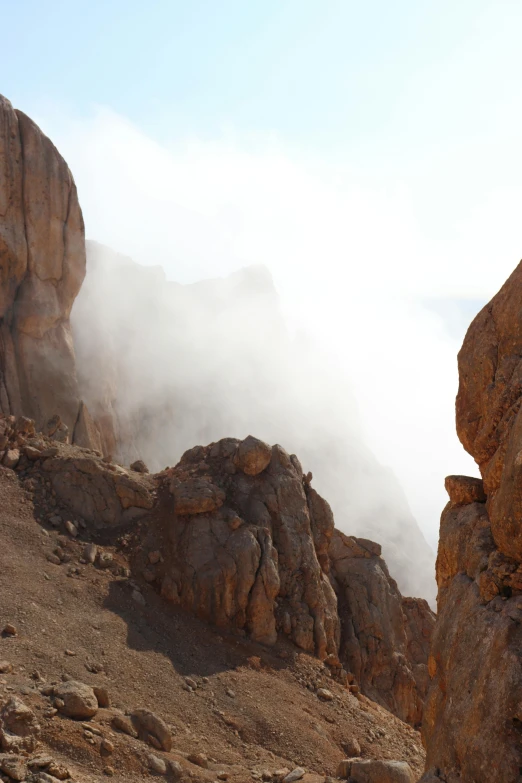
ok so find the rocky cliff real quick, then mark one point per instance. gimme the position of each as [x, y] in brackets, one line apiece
[42, 266]
[472, 720]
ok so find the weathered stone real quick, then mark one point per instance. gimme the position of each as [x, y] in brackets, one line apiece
[252, 456]
[351, 747]
[13, 767]
[156, 764]
[371, 771]
[11, 458]
[199, 759]
[19, 728]
[196, 496]
[139, 466]
[102, 696]
[147, 723]
[43, 265]
[471, 724]
[78, 699]
[385, 639]
[231, 575]
[122, 723]
[295, 774]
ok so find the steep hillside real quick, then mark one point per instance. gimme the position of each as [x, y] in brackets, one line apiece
[79, 591]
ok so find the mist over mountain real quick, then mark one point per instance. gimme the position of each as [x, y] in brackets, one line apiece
[163, 366]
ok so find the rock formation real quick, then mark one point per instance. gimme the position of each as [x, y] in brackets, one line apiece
[472, 720]
[385, 637]
[42, 260]
[249, 543]
[163, 366]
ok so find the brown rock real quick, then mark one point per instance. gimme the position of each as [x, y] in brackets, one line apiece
[122, 723]
[385, 639]
[252, 456]
[11, 458]
[148, 724]
[476, 687]
[19, 728]
[139, 466]
[464, 489]
[199, 759]
[196, 496]
[78, 699]
[351, 747]
[58, 771]
[371, 771]
[471, 724]
[489, 422]
[13, 767]
[102, 696]
[232, 575]
[43, 265]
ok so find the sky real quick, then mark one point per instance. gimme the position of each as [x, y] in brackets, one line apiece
[367, 153]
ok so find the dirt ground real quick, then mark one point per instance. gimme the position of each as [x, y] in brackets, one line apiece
[254, 711]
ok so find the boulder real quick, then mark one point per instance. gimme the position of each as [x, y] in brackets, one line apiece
[148, 724]
[76, 699]
[95, 490]
[372, 771]
[465, 489]
[237, 541]
[252, 456]
[472, 709]
[19, 727]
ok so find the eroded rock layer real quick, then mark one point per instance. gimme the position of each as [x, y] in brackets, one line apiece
[42, 266]
[249, 542]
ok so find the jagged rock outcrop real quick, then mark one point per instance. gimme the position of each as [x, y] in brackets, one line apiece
[385, 637]
[247, 538]
[472, 721]
[251, 546]
[98, 492]
[236, 534]
[42, 266]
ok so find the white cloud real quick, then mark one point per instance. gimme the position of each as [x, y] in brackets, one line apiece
[353, 261]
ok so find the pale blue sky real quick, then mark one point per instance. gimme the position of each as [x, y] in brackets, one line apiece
[334, 72]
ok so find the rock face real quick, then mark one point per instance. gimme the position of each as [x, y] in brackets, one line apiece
[252, 547]
[42, 263]
[385, 637]
[489, 421]
[472, 721]
[99, 492]
[248, 544]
